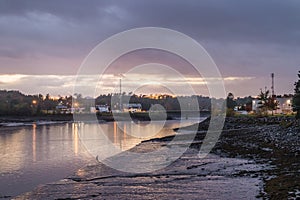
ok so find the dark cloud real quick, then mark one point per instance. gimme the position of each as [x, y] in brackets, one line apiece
[75, 9]
[245, 38]
[235, 20]
[250, 21]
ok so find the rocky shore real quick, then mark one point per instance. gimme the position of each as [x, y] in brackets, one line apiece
[254, 158]
[271, 140]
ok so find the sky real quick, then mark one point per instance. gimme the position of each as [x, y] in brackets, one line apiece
[44, 43]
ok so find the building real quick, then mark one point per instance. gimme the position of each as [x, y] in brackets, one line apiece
[76, 110]
[61, 108]
[102, 108]
[284, 104]
[132, 107]
[255, 105]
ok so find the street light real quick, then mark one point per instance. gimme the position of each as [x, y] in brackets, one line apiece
[33, 106]
[120, 79]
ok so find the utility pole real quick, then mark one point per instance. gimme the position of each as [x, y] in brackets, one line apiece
[121, 76]
[265, 90]
[120, 94]
[273, 93]
[272, 87]
[120, 85]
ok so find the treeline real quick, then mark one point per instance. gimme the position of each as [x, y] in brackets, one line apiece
[16, 103]
[168, 102]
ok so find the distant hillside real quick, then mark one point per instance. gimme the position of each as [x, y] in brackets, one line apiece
[14, 102]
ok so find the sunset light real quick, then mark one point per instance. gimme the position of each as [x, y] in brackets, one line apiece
[149, 99]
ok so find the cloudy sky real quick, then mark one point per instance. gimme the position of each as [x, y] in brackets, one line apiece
[43, 43]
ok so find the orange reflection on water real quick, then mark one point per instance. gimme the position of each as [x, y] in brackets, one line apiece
[115, 132]
[124, 132]
[76, 138]
[120, 135]
[34, 142]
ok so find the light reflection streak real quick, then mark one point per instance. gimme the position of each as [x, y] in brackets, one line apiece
[124, 136]
[115, 132]
[76, 138]
[34, 142]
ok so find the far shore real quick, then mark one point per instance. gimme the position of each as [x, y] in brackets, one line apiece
[104, 117]
[34, 118]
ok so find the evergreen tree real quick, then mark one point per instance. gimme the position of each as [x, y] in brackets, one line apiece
[263, 99]
[267, 102]
[230, 103]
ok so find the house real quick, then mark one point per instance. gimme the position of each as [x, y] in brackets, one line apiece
[255, 105]
[132, 107]
[102, 108]
[77, 110]
[61, 108]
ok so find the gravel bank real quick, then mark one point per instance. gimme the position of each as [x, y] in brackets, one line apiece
[272, 140]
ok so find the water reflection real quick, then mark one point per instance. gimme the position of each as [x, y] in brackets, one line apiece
[108, 139]
[11, 143]
[37, 154]
[76, 138]
[34, 142]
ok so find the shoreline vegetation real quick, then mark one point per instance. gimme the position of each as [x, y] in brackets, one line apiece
[271, 142]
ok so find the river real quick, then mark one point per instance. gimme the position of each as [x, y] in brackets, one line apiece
[39, 153]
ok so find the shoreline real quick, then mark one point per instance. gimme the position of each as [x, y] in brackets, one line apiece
[105, 117]
[28, 119]
[274, 140]
[262, 143]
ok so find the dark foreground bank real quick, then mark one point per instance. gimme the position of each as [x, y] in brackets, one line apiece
[254, 158]
[269, 140]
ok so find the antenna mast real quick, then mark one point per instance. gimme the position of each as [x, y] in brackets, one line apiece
[272, 76]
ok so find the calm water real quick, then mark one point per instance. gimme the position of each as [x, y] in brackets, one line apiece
[36, 154]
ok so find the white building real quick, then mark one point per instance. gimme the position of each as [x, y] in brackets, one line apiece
[61, 108]
[102, 108]
[255, 105]
[132, 107]
[284, 105]
[77, 110]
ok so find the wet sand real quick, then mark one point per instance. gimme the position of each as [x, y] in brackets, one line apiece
[187, 178]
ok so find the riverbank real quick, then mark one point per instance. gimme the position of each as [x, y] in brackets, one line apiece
[26, 119]
[271, 140]
[254, 158]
